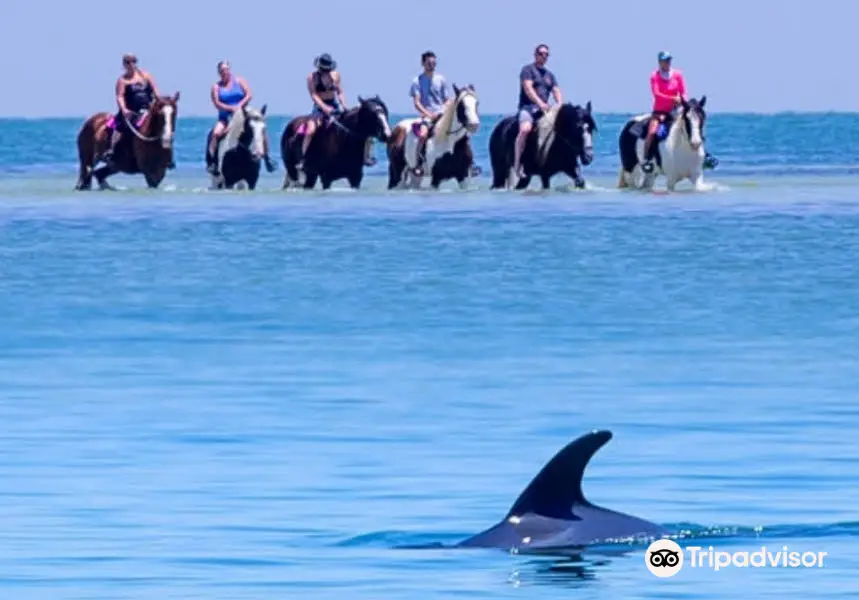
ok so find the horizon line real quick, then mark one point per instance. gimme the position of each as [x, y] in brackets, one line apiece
[207, 115]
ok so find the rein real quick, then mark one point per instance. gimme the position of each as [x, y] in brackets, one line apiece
[137, 134]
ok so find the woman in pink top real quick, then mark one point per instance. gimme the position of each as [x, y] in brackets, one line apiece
[669, 90]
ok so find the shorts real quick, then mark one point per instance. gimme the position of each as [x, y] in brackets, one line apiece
[224, 116]
[317, 112]
[529, 115]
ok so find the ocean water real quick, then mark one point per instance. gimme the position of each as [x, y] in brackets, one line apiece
[255, 395]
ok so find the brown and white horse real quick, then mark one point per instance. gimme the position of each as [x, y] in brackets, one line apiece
[145, 147]
[448, 150]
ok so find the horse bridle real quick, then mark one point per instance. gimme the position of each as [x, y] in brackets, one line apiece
[248, 119]
[337, 123]
[451, 131]
[563, 139]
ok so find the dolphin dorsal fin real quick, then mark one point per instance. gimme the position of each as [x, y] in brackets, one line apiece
[558, 485]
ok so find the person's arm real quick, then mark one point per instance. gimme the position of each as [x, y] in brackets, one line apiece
[247, 90]
[341, 95]
[218, 104]
[681, 85]
[315, 97]
[120, 95]
[447, 96]
[556, 91]
[148, 77]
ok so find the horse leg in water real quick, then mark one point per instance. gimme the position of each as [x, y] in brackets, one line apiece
[102, 173]
[578, 180]
[355, 180]
[252, 177]
[524, 182]
[154, 177]
[84, 176]
[310, 180]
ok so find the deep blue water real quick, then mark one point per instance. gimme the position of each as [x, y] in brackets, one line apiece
[258, 395]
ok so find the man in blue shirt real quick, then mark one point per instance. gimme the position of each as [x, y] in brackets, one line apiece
[536, 84]
[429, 92]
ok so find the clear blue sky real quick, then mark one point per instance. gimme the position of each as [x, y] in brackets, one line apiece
[61, 58]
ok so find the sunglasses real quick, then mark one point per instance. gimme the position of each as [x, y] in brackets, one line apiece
[543, 53]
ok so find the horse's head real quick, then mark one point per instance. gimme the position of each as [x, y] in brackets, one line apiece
[575, 124]
[373, 118]
[694, 119]
[163, 112]
[252, 136]
[466, 107]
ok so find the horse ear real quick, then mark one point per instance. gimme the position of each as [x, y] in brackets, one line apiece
[588, 107]
[456, 89]
[263, 109]
[360, 100]
[703, 101]
[471, 87]
[176, 97]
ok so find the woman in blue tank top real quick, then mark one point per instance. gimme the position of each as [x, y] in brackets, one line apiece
[229, 94]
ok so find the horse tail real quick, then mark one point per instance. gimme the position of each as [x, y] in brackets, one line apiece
[621, 179]
[498, 155]
[627, 148]
[86, 143]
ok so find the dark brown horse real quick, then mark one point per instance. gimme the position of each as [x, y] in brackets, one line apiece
[337, 148]
[145, 146]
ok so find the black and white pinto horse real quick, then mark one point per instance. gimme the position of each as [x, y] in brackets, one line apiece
[561, 137]
[241, 149]
[678, 148]
[448, 153]
[337, 149]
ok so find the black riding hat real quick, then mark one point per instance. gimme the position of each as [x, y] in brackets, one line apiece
[324, 62]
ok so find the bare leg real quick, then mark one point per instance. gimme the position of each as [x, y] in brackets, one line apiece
[521, 138]
[310, 129]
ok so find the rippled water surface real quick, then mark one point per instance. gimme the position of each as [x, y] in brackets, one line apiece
[260, 395]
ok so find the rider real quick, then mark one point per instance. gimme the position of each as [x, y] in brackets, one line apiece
[329, 101]
[669, 90]
[229, 94]
[430, 94]
[536, 83]
[135, 92]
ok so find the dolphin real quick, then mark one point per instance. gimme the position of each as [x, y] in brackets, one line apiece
[552, 513]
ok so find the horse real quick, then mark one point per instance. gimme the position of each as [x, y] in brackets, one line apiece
[448, 150]
[562, 137]
[678, 147]
[146, 147]
[240, 151]
[337, 148]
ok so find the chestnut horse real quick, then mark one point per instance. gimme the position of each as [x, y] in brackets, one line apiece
[145, 146]
[337, 148]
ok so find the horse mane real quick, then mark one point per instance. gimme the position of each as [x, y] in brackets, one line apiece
[442, 127]
[235, 128]
[546, 125]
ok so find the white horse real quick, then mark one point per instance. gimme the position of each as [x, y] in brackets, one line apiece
[241, 148]
[443, 158]
[681, 152]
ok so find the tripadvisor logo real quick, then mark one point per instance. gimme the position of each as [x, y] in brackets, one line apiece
[665, 558]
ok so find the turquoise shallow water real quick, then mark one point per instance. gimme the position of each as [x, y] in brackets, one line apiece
[257, 395]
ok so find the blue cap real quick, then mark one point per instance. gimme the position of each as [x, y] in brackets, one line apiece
[664, 55]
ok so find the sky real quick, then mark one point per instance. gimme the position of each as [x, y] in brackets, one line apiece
[62, 58]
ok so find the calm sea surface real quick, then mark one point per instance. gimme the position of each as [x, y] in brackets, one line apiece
[222, 395]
